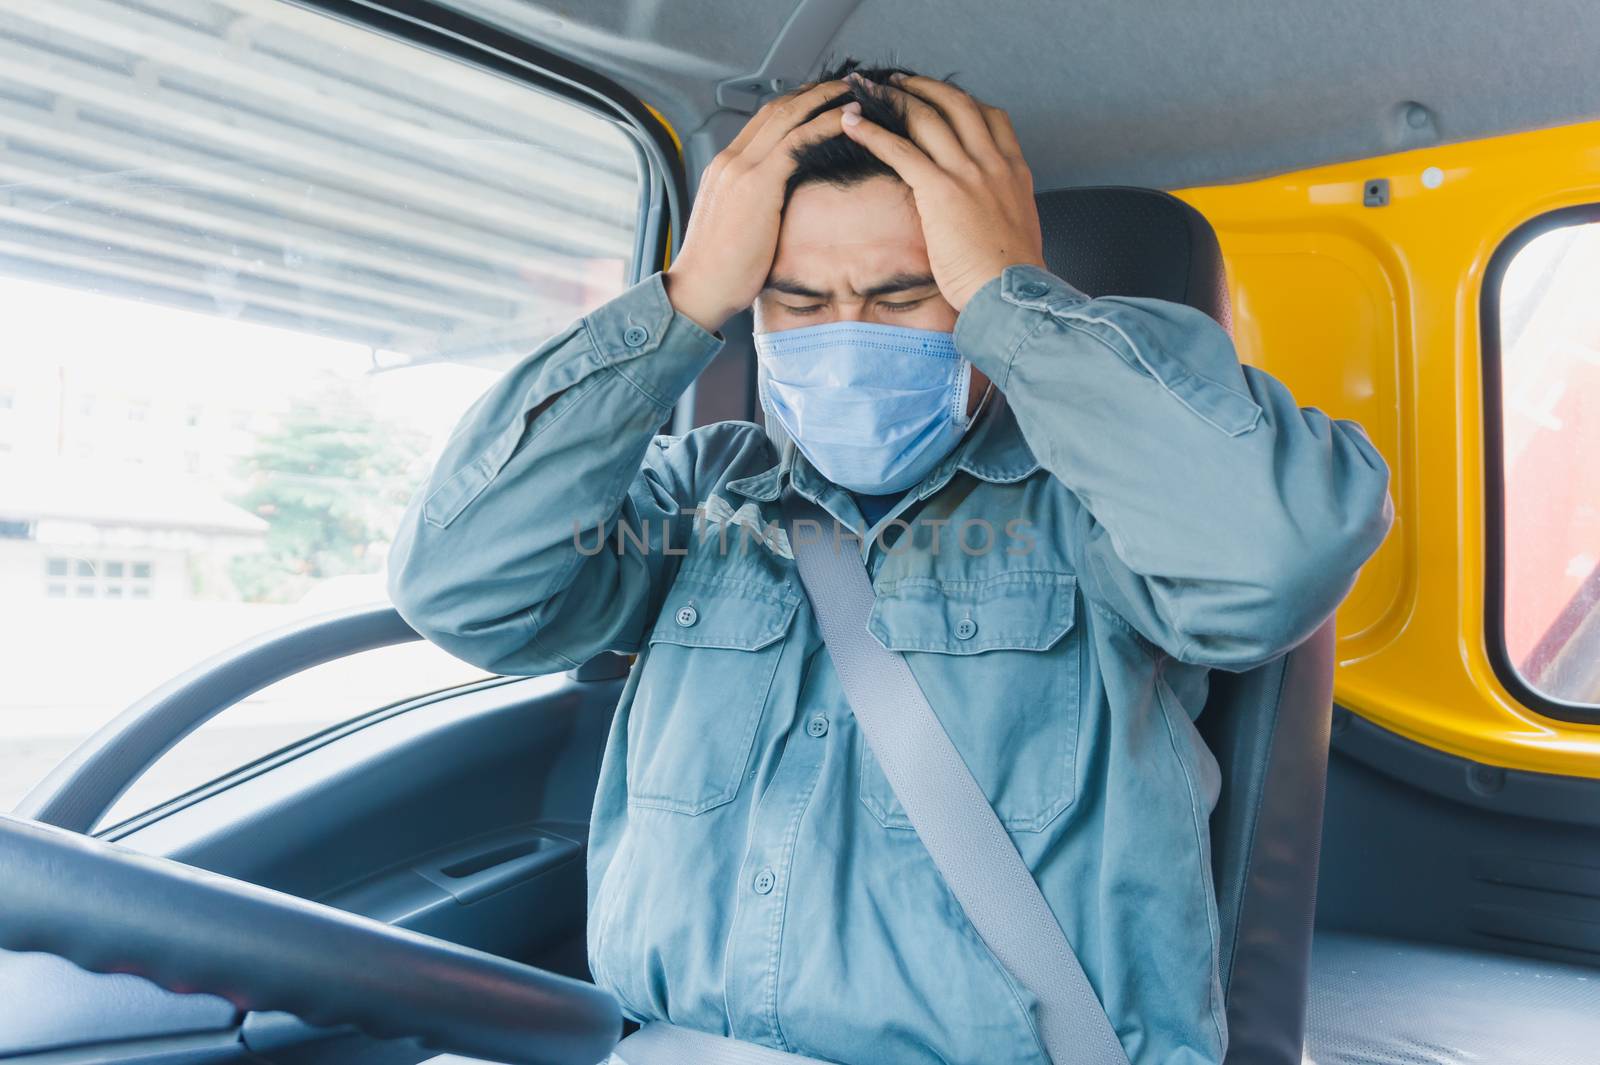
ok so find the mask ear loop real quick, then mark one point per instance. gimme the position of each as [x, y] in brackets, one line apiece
[961, 399]
[769, 422]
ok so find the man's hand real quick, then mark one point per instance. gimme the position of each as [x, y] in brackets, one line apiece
[733, 230]
[971, 186]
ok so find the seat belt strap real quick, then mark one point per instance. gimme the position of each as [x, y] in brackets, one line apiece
[952, 817]
[960, 830]
[662, 1043]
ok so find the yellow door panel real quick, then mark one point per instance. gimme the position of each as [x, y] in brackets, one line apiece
[1332, 333]
[1372, 313]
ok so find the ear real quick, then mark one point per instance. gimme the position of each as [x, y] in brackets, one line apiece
[977, 388]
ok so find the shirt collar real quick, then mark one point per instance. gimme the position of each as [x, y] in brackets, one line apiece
[992, 451]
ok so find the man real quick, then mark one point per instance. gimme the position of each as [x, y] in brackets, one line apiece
[1072, 509]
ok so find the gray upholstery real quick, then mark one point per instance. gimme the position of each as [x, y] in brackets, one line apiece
[1269, 726]
[1123, 241]
[1144, 92]
[1269, 730]
[1378, 1001]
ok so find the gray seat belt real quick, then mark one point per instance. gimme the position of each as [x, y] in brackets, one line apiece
[952, 817]
[662, 1043]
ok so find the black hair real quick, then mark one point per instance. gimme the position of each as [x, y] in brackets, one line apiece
[839, 160]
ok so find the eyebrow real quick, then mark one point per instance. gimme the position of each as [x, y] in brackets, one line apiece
[892, 284]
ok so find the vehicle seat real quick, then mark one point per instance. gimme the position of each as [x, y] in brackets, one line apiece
[1268, 727]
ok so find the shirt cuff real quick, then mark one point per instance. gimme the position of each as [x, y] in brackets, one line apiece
[1005, 312]
[643, 322]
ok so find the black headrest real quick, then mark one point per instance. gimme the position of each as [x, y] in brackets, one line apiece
[1124, 241]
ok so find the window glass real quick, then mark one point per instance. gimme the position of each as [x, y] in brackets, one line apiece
[1550, 403]
[257, 264]
[287, 712]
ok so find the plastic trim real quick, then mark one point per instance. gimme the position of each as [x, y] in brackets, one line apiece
[289, 752]
[1497, 789]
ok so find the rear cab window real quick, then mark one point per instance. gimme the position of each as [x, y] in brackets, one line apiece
[1542, 347]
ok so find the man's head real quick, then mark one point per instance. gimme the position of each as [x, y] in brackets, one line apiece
[839, 160]
[859, 278]
[850, 247]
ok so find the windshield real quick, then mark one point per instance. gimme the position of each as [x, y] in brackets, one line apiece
[255, 264]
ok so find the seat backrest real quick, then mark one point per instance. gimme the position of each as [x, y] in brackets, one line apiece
[1268, 726]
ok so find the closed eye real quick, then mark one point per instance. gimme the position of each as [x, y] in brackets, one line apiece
[901, 306]
[810, 308]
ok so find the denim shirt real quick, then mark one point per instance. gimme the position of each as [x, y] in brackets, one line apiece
[1154, 510]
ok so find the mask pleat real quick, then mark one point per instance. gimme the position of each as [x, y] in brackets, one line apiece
[873, 407]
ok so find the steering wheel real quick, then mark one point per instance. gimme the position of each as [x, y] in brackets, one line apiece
[110, 909]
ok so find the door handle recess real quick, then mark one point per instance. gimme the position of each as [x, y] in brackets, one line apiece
[484, 866]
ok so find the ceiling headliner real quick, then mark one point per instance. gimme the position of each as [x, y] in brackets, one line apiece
[1148, 92]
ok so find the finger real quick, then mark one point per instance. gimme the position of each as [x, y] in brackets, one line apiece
[930, 131]
[903, 157]
[1005, 135]
[960, 110]
[780, 162]
[784, 114]
[821, 91]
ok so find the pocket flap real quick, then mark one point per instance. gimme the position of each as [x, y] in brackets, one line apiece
[450, 498]
[1026, 610]
[706, 611]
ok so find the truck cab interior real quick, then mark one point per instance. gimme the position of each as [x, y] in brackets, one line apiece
[258, 256]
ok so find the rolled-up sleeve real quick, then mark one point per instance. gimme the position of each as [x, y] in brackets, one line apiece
[1221, 519]
[495, 556]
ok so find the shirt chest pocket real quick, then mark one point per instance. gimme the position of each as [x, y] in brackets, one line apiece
[1000, 660]
[707, 675]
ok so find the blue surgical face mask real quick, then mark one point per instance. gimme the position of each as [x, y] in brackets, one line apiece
[873, 407]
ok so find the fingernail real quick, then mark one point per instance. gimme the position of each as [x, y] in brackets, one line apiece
[850, 118]
[853, 107]
[897, 77]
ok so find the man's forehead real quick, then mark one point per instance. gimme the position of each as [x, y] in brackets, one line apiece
[845, 259]
[851, 238]
[851, 283]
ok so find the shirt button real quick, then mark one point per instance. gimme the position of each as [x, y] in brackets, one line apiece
[818, 725]
[687, 615]
[635, 335]
[1032, 288]
[764, 881]
[966, 629]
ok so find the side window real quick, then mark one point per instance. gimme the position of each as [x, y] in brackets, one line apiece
[1542, 339]
[257, 263]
